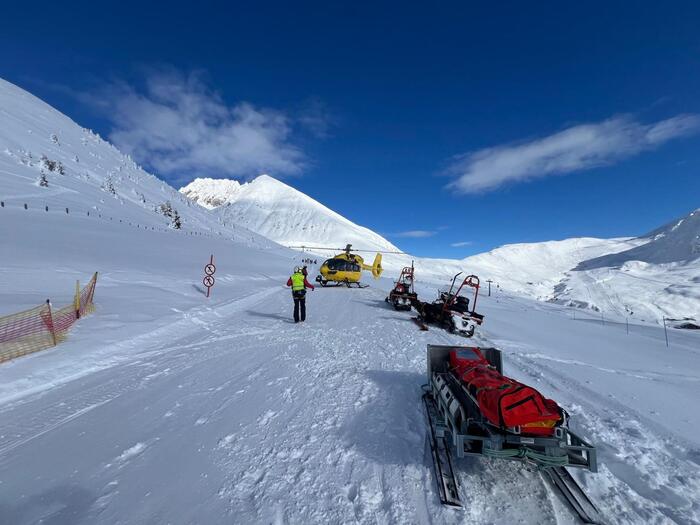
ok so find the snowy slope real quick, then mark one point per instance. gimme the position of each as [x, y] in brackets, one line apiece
[97, 178]
[165, 407]
[677, 242]
[283, 214]
[534, 269]
[658, 278]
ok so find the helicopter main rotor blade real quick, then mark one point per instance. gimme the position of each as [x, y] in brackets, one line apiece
[330, 248]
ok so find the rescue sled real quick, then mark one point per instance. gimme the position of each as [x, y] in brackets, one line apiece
[451, 309]
[403, 296]
[474, 410]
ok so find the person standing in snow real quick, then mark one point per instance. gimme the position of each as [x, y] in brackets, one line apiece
[299, 285]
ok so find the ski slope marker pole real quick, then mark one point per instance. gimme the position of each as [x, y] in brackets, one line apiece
[209, 271]
[665, 331]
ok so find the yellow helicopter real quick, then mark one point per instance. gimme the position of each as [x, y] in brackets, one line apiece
[345, 269]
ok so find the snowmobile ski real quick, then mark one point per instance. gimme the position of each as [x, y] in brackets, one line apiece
[448, 489]
[420, 323]
[574, 495]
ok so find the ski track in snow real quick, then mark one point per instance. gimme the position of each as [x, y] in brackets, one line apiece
[313, 423]
[319, 422]
[645, 474]
[328, 412]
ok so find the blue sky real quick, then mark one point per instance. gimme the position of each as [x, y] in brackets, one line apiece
[468, 124]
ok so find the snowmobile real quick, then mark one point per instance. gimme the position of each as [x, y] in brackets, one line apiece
[474, 410]
[403, 296]
[451, 310]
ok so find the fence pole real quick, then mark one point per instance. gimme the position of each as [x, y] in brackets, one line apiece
[76, 301]
[627, 325]
[665, 331]
[51, 327]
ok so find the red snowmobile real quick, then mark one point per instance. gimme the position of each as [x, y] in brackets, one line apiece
[403, 296]
[451, 310]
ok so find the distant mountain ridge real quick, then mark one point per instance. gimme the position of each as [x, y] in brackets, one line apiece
[282, 213]
[676, 242]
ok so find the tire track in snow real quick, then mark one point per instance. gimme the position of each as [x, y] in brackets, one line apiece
[352, 408]
[644, 474]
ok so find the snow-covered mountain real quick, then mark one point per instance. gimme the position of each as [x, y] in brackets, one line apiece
[46, 159]
[535, 269]
[212, 193]
[660, 277]
[282, 213]
[676, 242]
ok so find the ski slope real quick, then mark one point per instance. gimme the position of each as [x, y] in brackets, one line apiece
[166, 407]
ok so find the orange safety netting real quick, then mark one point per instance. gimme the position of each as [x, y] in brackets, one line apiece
[42, 327]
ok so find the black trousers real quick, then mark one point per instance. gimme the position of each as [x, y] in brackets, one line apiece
[299, 304]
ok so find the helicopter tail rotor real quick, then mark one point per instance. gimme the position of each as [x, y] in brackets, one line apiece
[377, 266]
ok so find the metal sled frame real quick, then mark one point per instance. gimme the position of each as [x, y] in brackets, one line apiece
[472, 435]
[455, 423]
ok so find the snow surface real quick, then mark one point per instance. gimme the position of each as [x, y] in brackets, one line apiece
[167, 407]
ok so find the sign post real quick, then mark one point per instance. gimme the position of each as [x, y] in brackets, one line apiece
[209, 271]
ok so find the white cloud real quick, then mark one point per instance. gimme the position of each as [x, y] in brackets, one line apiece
[181, 128]
[576, 148]
[460, 244]
[416, 234]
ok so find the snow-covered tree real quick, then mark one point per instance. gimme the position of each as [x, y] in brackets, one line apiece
[167, 209]
[108, 185]
[48, 164]
[43, 181]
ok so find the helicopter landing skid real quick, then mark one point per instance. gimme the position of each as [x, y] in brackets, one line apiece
[330, 284]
